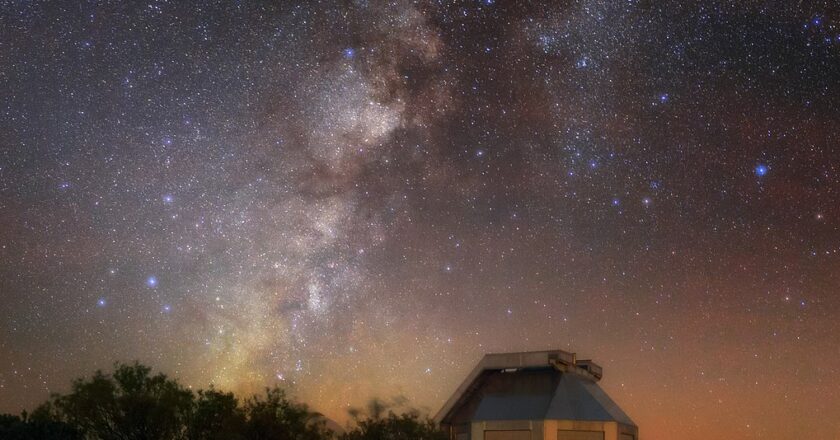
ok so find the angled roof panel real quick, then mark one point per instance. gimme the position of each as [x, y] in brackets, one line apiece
[527, 407]
[578, 398]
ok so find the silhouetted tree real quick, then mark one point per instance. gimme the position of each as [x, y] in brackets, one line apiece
[382, 423]
[216, 416]
[130, 405]
[276, 417]
[133, 404]
[35, 427]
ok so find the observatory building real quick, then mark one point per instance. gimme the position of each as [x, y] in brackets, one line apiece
[542, 395]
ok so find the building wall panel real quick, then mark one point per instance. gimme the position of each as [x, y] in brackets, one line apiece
[507, 435]
[580, 435]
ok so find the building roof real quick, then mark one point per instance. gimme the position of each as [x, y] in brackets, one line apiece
[539, 385]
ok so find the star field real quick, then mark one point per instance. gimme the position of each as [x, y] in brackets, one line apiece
[360, 198]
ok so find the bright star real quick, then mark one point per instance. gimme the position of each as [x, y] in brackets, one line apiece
[349, 53]
[761, 170]
[152, 281]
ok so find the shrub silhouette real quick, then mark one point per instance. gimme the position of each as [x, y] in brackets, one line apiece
[275, 417]
[128, 405]
[35, 427]
[133, 404]
[382, 423]
[216, 416]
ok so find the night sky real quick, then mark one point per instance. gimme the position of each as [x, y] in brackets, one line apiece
[358, 199]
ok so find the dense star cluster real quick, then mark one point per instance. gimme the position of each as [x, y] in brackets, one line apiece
[360, 198]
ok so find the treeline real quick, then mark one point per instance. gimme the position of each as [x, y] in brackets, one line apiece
[133, 404]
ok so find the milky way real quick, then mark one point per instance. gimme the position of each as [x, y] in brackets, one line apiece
[359, 199]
